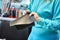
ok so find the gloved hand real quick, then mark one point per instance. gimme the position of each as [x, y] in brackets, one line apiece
[36, 17]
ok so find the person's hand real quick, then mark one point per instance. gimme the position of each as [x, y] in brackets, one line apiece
[25, 11]
[36, 17]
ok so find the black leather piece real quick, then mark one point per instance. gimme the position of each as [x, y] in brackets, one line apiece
[11, 33]
[23, 26]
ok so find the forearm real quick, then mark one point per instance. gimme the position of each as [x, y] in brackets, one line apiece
[49, 24]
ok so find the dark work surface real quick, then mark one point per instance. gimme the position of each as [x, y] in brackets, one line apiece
[11, 33]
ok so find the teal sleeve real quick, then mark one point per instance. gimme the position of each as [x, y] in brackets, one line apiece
[54, 23]
[30, 5]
